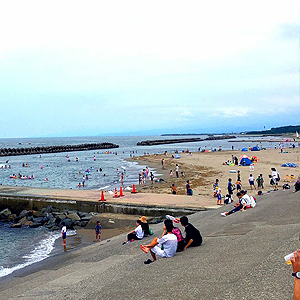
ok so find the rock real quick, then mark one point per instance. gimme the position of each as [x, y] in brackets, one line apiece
[60, 216]
[73, 217]
[38, 220]
[37, 214]
[5, 213]
[70, 212]
[86, 217]
[54, 228]
[23, 220]
[51, 222]
[83, 223]
[16, 225]
[35, 224]
[12, 217]
[23, 213]
[28, 223]
[68, 222]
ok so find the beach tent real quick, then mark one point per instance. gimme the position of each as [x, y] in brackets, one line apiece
[177, 156]
[255, 148]
[245, 161]
[244, 149]
[254, 159]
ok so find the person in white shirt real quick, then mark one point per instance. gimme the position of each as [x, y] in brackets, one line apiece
[64, 235]
[169, 242]
[275, 178]
[241, 205]
[136, 234]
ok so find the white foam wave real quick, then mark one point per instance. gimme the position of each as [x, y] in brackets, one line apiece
[40, 252]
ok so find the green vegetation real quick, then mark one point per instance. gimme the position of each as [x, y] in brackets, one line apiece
[277, 130]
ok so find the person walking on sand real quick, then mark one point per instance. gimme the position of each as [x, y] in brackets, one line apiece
[98, 228]
[64, 235]
[177, 170]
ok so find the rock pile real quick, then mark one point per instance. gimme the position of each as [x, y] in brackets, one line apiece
[48, 217]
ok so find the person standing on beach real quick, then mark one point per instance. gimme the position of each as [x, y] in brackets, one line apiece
[162, 163]
[189, 191]
[151, 177]
[258, 180]
[238, 175]
[98, 228]
[230, 187]
[64, 235]
[275, 177]
[261, 180]
[251, 181]
[177, 170]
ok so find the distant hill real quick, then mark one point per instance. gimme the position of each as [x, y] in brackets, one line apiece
[277, 130]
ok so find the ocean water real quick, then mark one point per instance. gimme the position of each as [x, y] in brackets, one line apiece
[20, 247]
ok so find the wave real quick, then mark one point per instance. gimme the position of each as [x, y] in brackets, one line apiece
[40, 252]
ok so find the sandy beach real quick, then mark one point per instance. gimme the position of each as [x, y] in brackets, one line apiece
[203, 168]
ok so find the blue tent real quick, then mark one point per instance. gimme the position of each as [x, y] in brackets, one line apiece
[244, 149]
[245, 161]
[255, 149]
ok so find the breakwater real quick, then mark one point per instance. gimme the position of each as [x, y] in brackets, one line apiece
[188, 140]
[55, 149]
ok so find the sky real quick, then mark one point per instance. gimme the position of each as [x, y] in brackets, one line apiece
[82, 68]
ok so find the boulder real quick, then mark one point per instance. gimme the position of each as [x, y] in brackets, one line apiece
[5, 213]
[12, 217]
[23, 213]
[68, 222]
[16, 225]
[83, 223]
[60, 216]
[73, 217]
[23, 220]
[38, 220]
[35, 224]
[27, 223]
[86, 217]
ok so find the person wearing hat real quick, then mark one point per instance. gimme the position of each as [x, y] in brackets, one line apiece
[145, 226]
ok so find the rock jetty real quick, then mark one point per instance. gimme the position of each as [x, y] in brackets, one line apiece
[48, 217]
[189, 140]
[55, 149]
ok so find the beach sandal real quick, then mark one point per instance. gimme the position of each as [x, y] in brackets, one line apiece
[148, 261]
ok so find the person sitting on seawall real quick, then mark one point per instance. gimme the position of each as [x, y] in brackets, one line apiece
[136, 234]
[189, 191]
[250, 200]
[297, 185]
[168, 241]
[296, 273]
[177, 232]
[238, 206]
[145, 226]
[193, 237]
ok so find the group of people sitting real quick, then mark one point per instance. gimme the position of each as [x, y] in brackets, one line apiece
[171, 240]
[245, 201]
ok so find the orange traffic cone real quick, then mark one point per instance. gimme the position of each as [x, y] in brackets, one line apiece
[121, 192]
[102, 196]
[116, 194]
[133, 189]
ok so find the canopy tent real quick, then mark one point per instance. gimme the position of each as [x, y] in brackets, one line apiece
[245, 160]
[255, 148]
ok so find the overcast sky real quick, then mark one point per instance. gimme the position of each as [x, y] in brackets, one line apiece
[70, 68]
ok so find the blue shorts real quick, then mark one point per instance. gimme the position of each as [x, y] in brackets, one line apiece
[251, 182]
[219, 197]
[64, 235]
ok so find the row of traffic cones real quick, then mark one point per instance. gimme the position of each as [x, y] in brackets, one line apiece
[116, 193]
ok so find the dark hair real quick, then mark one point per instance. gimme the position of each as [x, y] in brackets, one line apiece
[229, 179]
[63, 223]
[217, 179]
[273, 169]
[239, 194]
[98, 222]
[168, 222]
[184, 220]
[139, 222]
[169, 227]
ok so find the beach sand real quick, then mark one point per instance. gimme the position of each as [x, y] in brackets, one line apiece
[203, 168]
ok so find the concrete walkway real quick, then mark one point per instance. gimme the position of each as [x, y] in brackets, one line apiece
[241, 258]
[164, 200]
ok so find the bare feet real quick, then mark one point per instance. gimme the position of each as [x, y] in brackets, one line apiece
[144, 248]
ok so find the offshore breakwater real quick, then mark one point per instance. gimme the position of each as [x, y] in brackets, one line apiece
[188, 140]
[56, 149]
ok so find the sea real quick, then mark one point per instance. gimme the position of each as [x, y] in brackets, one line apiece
[20, 247]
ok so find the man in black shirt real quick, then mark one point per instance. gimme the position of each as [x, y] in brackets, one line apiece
[193, 237]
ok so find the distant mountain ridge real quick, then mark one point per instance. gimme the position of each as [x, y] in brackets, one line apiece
[277, 130]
